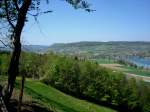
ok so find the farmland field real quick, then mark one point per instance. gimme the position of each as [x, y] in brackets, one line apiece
[129, 71]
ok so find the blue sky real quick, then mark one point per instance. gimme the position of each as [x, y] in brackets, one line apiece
[113, 20]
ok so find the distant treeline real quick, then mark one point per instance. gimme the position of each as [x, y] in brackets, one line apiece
[96, 50]
[85, 80]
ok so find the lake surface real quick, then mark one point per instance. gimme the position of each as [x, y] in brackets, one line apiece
[143, 62]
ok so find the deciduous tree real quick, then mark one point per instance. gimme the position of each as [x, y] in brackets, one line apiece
[13, 13]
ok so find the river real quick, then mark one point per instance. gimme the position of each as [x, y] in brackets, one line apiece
[142, 62]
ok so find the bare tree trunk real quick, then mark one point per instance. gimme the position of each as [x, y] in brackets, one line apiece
[13, 70]
[21, 93]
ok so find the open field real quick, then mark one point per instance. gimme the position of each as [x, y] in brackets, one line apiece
[104, 61]
[130, 71]
[114, 66]
[145, 78]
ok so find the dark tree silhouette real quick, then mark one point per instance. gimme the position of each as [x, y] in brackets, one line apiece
[14, 13]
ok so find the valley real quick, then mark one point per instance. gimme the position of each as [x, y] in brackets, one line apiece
[84, 82]
[128, 57]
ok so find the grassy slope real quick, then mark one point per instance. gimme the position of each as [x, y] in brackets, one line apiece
[60, 101]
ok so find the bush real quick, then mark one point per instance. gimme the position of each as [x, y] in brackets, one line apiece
[88, 80]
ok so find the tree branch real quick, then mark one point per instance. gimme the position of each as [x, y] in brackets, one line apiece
[7, 15]
[21, 19]
[5, 44]
[16, 5]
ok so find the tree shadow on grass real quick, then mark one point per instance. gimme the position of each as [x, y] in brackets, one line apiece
[26, 107]
[60, 106]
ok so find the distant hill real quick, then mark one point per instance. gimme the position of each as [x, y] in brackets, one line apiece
[100, 49]
[29, 48]
[35, 48]
[92, 49]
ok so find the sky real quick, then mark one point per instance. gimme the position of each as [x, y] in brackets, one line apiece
[113, 20]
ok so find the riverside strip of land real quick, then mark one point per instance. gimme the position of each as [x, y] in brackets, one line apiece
[129, 71]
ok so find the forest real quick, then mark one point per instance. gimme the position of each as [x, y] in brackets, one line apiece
[84, 79]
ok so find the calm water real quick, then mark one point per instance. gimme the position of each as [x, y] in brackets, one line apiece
[144, 62]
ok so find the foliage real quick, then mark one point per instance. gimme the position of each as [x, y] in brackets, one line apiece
[87, 80]
[13, 16]
[4, 62]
